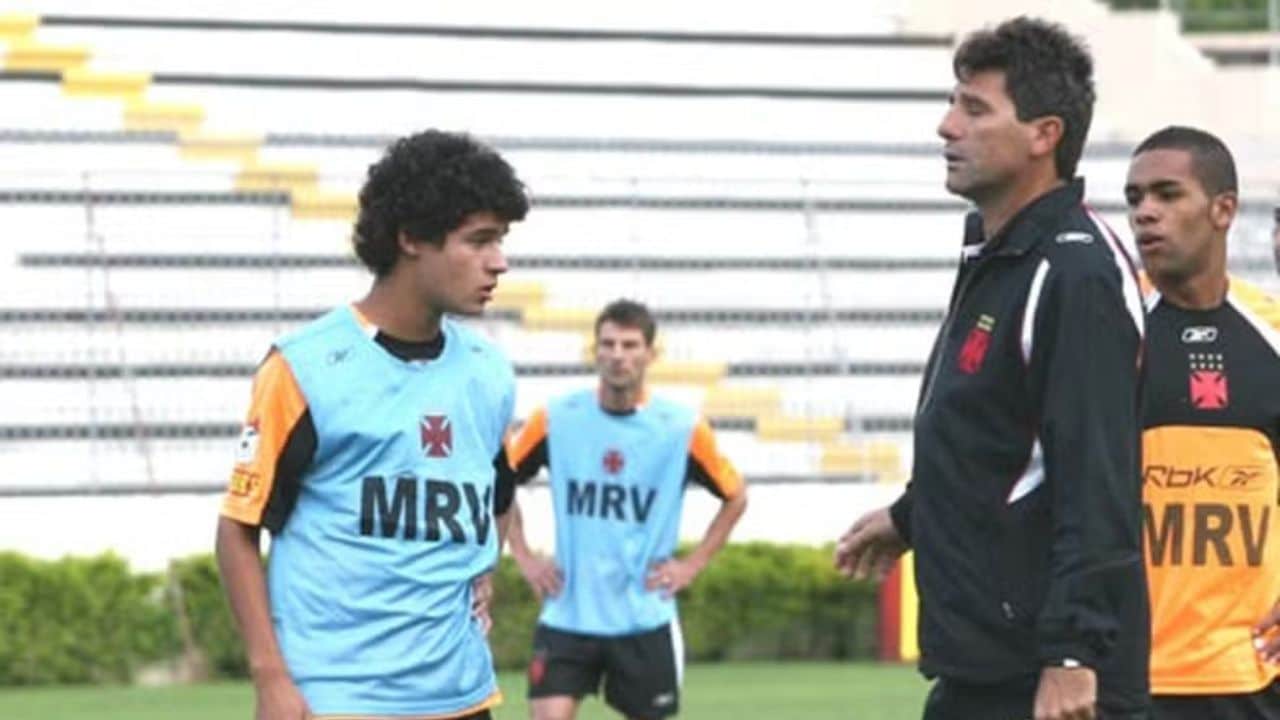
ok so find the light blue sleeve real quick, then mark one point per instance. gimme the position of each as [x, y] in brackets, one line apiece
[507, 403]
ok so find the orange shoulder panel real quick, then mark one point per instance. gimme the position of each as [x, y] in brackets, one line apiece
[523, 442]
[704, 451]
[274, 410]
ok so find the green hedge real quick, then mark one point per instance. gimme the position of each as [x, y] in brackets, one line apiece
[80, 620]
[754, 601]
[92, 620]
[213, 629]
[1208, 15]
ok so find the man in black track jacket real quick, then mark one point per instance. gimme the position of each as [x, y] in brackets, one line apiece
[1024, 508]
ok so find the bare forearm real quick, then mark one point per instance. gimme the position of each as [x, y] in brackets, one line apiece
[515, 532]
[718, 531]
[240, 563]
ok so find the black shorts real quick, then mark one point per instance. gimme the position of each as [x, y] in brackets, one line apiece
[1013, 700]
[1261, 705]
[641, 672]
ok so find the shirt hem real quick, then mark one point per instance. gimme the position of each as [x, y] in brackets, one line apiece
[493, 700]
[1225, 687]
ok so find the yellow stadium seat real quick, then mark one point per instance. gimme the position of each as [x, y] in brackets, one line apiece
[731, 401]
[799, 429]
[878, 457]
[1258, 301]
[885, 461]
[540, 317]
[692, 373]
[518, 295]
[27, 54]
[198, 145]
[311, 204]
[841, 457]
[256, 177]
[16, 26]
[143, 115]
[83, 82]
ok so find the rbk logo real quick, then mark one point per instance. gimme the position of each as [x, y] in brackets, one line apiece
[437, 436]
[1208, 382]
[613, 462]
[1199, 334]
[975, 346]
[1221, 477]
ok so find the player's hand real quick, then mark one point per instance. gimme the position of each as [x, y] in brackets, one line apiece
[481, 597]
[542, 574]
[1066, 694]
[671, 576]
[279, 699]
[1266, 638]
[870, 548]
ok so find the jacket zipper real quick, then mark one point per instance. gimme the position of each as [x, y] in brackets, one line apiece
[1009, 613]
[945, 335]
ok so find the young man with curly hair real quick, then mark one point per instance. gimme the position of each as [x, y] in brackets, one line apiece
[1024, 507]
[369, 452]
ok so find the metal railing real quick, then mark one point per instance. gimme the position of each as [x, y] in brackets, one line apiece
[109, 428]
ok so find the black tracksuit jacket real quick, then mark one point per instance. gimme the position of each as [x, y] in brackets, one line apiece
[1024, 507]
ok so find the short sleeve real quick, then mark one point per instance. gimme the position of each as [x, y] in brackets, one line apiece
[708, 467]
[275, 446]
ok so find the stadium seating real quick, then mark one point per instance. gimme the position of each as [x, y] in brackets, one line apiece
[177, 195]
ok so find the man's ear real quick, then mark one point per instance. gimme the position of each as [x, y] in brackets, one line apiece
[1222, 210]
[1046, 135]
[408, 244]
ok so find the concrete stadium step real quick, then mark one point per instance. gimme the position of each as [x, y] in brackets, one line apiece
[186, 399]
[253, 224]
[660, 58]
[807, 20]
[763, 288]
[576, 319]
[800, 346]
[811, 162]
[39, 104]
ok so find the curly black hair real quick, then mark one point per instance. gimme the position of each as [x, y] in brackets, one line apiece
[425, 185]
[1046, 72]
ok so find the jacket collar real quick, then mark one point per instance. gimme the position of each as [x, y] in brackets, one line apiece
[1027, 227]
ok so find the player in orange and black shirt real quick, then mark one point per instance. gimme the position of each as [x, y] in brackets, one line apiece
[1211, 427]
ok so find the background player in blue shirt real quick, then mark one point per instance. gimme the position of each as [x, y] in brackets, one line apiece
[369, 453]
[619, 461]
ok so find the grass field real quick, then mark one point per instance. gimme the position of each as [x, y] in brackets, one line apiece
[745, 691]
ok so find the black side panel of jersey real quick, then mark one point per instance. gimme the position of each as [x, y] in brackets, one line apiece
[509, 477]
[298, 452]
[504, 482]
[528, 467]
[695, 473]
